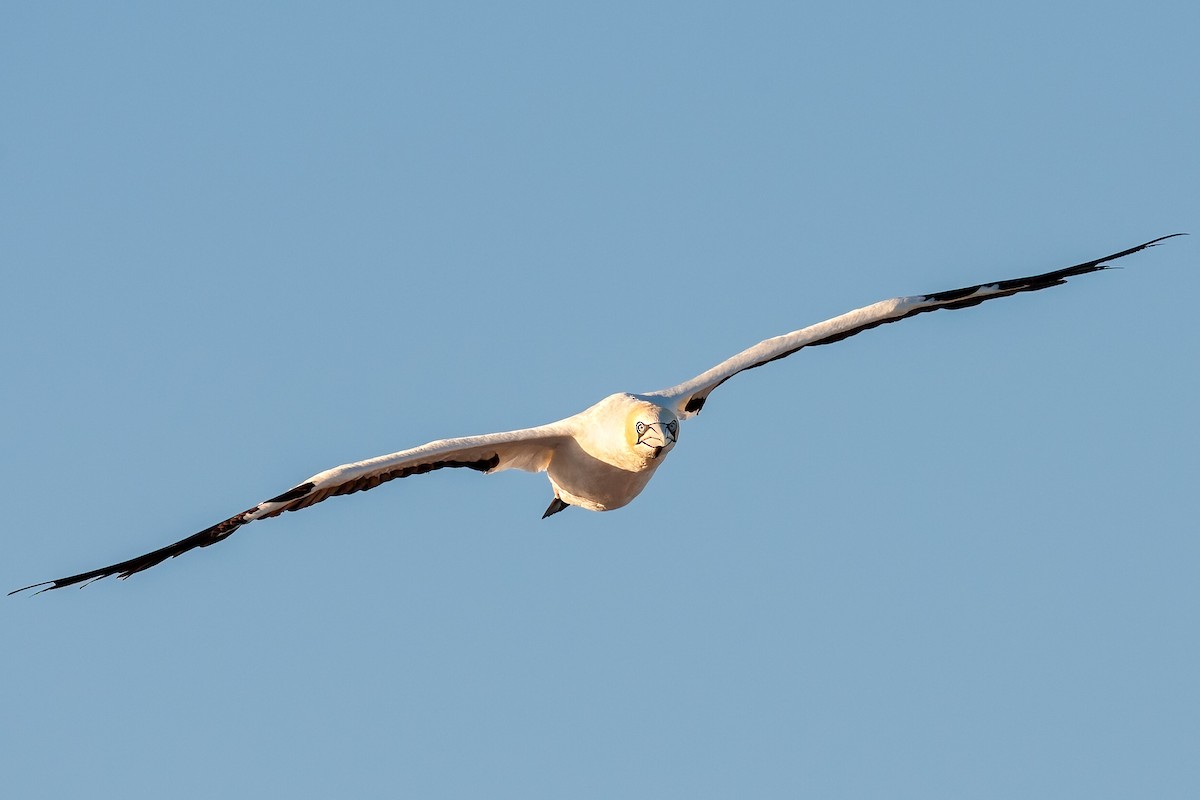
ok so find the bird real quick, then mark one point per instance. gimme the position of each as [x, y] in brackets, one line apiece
[601, 458]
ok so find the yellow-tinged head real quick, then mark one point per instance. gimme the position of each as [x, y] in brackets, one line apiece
[651, 430]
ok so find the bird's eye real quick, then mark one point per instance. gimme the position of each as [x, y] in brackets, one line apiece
[641, 428]
[673, 427]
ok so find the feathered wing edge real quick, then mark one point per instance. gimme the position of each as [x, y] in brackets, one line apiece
[529, 449]
[689, 397]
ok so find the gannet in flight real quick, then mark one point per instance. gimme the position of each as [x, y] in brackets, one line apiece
[602, 457]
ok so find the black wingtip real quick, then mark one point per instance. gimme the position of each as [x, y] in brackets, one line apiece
[1132, 250]
[132, 566]
[48, 584]
[1161, 239]
[1102, 263]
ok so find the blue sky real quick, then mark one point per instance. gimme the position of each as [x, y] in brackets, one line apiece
[954, 557]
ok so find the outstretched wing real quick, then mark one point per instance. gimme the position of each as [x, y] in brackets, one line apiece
[529, 449]
[688, 397]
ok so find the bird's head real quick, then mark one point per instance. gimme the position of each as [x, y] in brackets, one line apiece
[651, 431]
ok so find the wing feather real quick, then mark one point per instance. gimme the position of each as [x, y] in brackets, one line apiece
[689, 397]
[529, 449]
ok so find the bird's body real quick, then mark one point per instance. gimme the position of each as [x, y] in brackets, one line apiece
[596, 468]
[601, 458]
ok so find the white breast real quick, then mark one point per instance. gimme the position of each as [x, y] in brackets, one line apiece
[599, 470]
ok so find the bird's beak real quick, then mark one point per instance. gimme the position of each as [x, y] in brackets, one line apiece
[654, 438]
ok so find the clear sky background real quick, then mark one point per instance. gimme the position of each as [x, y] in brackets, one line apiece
[951, 558]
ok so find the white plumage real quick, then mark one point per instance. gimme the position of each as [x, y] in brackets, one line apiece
[602, 457]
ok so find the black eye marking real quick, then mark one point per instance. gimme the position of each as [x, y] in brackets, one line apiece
[668, 431]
